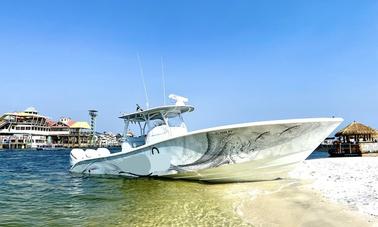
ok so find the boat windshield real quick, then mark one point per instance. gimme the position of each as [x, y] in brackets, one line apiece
[155, 123]
[176, 121]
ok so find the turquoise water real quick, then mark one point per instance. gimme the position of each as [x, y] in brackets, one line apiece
[319, 154]
[36, 189]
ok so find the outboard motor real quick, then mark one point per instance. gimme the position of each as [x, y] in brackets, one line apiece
[103, 152]
[100, 152]
[77, 155]
[91, 153]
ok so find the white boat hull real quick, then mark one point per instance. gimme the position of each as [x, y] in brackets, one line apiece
[245, 152]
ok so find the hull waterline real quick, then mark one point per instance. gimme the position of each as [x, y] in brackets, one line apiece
[246, 152]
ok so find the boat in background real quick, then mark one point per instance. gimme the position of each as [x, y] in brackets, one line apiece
[51, 147]
[234, 153]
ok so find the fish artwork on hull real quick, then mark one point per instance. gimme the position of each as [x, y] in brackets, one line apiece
[242, 152]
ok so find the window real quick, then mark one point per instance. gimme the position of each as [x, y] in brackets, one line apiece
[155, 123]
[176, 121]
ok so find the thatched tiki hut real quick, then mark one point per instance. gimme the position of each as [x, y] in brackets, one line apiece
[354, 139]
[356, 133]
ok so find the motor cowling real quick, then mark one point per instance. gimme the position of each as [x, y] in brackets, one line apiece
[76, 155]
[103, 152]
[79, 154]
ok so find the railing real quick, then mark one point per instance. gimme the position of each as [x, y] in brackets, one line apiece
[2, 123]
[345, 149]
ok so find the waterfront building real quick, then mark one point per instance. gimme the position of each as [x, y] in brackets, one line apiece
[80, 134]
[26, 129]
[107, 139]
[29, 129]
[77, 136]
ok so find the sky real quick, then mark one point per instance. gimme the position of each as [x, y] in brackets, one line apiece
[236, 61]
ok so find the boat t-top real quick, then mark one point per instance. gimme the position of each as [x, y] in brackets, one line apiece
[163, 147]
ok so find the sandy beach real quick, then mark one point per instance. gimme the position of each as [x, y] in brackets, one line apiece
[352, 182]
[320, 192]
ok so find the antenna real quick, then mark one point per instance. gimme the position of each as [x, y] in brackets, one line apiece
[144, 82]
[163, 78]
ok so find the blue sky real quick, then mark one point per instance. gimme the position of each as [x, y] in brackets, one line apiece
[237, 61]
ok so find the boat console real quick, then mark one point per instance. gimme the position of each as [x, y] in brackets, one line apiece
[156, 124]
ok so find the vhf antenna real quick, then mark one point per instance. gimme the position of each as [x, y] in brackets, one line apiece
[144, 82]
[163, 78]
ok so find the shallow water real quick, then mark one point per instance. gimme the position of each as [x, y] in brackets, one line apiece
[37, 189]
[318, 154]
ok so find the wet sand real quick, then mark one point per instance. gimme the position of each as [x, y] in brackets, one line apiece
[320, 192]
[290, 203]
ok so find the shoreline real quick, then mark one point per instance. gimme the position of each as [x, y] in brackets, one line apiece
[319, 192]
[350, 181]
[291, 203]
